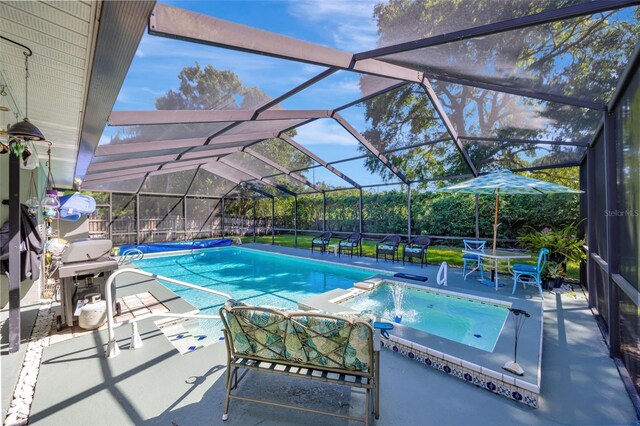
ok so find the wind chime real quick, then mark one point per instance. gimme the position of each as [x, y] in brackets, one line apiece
[33, 202]
[50, 203]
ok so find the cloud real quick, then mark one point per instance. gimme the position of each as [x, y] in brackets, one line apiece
[352, 23]
[324, 132]
[164, 58]
[105, 139]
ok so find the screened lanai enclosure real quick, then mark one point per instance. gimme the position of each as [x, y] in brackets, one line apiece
[290, 137]
[420, 112]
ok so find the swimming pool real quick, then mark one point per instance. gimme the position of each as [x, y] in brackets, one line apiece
[460, 319]
[250, 276]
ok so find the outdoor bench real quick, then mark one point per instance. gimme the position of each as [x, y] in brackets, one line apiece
[306, 345]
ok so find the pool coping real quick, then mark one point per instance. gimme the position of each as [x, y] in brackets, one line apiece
[498, 382]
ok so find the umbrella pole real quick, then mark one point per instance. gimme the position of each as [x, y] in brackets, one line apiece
[494, 269]
[495, 222]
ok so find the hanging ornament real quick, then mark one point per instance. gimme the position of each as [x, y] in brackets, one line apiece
[32, 200]
[17, 146]
[50, 202]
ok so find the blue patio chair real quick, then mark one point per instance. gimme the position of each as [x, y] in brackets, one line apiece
[474, 260]
[530, 274]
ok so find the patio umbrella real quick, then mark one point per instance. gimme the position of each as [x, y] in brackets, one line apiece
[505, 182]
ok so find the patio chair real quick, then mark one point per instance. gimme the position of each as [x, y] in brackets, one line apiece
[530, 274]
[416, 248]
[388, 246]
[473, 259]
[349, 243]
[321, 241]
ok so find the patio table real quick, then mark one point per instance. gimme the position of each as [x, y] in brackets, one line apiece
[494, 259]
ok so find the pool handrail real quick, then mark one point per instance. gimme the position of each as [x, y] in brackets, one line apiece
[130, 255]
[112, 346]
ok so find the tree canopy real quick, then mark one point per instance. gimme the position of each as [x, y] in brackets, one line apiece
[580, 57]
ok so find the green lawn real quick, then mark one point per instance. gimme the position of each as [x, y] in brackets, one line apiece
[436, 254]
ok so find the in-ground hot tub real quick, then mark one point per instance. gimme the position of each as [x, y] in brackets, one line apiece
[444, 343]
[468, 321]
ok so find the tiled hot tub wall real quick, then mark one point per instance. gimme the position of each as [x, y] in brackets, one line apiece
[493, 381]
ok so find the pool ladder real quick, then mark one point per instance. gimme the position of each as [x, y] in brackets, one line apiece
[136, 341]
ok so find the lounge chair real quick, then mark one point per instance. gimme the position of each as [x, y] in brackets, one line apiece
[416, 248]
[388, 246]
[473, 259]
[321, 241]
[349, 243]
[530, 274]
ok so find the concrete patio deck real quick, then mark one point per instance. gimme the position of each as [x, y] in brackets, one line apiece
[157, 385]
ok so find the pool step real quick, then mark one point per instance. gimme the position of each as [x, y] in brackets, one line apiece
[185, 334]
[368, 284]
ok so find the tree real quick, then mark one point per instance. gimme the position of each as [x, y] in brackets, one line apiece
[579, 57]
[203, 88]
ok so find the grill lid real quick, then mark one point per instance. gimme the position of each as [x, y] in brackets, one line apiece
[86, 250]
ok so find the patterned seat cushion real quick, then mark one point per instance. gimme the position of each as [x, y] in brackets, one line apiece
[386, 247]
[328, 342]
[257, 332]
[348, 244]
[299, 337]
[320, 241]
[414, 250]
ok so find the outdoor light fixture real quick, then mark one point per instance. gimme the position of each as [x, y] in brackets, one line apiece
[518, 320]
[22, 131]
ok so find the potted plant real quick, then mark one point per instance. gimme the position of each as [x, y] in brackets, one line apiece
[563, 244]
[553, 274]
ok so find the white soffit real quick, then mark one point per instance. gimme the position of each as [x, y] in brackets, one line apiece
[61, 35]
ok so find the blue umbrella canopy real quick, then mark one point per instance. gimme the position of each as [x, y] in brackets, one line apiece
[506, 182]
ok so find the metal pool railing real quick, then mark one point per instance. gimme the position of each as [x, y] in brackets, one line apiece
[130, 255]
[136, 342]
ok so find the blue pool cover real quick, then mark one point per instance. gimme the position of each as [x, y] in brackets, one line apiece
[178, 245]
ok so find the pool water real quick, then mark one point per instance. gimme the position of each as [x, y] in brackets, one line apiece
[250, 276]
[460, 319]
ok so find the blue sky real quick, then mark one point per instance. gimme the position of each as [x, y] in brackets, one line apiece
[347, 25]
[344, 25]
